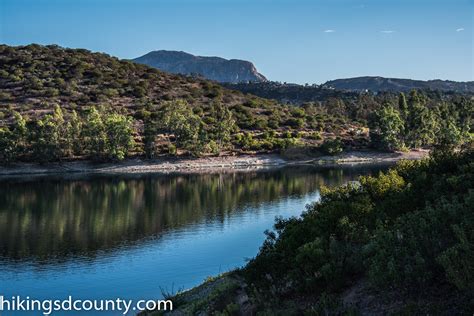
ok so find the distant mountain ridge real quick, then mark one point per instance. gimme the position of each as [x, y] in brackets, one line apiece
[213, 68]
[378, 84]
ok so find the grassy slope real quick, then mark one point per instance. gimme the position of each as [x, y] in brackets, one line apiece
[33, 78]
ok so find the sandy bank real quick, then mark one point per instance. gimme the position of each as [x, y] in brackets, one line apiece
[167, 165]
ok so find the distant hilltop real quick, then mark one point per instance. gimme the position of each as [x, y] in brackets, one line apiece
[213, 68]
[378, 84]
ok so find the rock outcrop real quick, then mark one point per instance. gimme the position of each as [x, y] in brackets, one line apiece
[213, 68]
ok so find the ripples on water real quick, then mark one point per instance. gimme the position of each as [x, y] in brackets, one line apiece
[131, 236]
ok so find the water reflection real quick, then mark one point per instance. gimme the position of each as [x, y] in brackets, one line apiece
[131, 236]
[55, 218]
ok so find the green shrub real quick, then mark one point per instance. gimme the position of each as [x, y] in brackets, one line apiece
[295, 122]
[118, 129]
[172, 150]
[332, 147]
[410, 228]
[315, 136]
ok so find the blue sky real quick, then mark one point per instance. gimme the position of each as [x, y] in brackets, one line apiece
[293, 41]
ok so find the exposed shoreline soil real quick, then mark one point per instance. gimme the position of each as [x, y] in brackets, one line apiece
[206, 164]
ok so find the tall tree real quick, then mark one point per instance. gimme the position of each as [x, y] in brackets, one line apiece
[19, 131]
[150, 128]
[449, 134]
[13, 139]
[421, 123]
[119, 132]
[387, 129]
[48, 136]
[74, 134]
[95, 135]
[8, 149]
[403, 106]
[179, 119]
[223, 125]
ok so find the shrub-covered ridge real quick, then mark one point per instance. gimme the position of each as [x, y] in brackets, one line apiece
[58, 103]
[155, 106]
[410, 229]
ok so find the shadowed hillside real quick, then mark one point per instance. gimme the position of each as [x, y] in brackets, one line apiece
[378, 84]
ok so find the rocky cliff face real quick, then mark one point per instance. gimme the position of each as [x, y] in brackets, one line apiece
[213, 68]
[395, 85]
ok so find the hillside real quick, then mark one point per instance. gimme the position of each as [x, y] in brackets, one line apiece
[291, 93]
[378, 84]
[67, 104]
[346, 89]
[49, 86]
[33, 78]
[213, 68]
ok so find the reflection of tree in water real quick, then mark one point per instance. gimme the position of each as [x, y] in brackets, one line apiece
[59, 217]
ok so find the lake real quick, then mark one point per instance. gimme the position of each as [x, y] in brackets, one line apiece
[137, 236]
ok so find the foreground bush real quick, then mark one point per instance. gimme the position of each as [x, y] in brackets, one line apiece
[410, 228]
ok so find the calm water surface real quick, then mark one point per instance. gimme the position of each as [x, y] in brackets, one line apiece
[131, 237]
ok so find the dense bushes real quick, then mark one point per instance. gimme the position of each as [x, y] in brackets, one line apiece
[268, 141]
[332, 147]
[194, 134]
[99, 135]
[417, 123]
[435, 243]
[410, 228]
[102, 134]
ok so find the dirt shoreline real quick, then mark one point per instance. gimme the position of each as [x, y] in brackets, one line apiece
[207, 164]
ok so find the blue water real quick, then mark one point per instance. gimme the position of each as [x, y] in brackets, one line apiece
[135, 237]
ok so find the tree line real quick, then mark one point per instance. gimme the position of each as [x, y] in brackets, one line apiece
[412, 124]
[103, 135]
[100, 133]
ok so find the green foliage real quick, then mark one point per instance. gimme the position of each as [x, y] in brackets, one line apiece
[49, 137]
[13, 141]
[108, 135]
[450, 134]
[78, 79]
[421, 122]
[35, 77]
[179, 119]
[403, 106]
[118, 129]
[74, 129]
[332, 146]
[149, 135]
[95, 134]
[457, 260]
[223, 125]
[409, 228]
[8, 148]
[102, 136]
[19, 129]
[268, 141]
[315, 136]
[245, 140]
[387, 129]
[295, 122]
[172, 150]
[426, 245]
